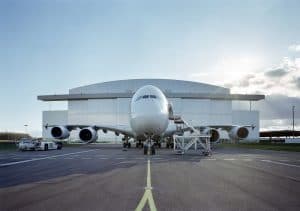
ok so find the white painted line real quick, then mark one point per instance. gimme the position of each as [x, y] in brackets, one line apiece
[210, 159]
[284, 160]
[279, 163]
[103, 158]
[245, 159]
[229, 159]
[122, 162]
[36, 159]
[120, 158]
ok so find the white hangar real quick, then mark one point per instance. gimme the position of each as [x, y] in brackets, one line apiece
[108, 103]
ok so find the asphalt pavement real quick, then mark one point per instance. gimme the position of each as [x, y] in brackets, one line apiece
[104, 177]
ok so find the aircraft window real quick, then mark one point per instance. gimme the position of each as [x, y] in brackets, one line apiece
[146, 97]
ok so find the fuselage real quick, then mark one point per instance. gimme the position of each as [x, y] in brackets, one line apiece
[149, 112]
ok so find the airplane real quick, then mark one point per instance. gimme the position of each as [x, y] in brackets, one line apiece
[150, 115]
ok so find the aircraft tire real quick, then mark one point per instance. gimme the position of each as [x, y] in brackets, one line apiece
[129, 145]
[153, 150]
[145, 150]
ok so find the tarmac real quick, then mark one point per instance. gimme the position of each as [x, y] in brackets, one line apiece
[104, 177]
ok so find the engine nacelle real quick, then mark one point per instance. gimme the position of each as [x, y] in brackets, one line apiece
[88, 134]
[238, 132]
[215, 135]
[60, 132]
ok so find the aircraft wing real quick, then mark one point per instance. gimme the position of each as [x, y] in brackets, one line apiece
[117, 130]
[169, 133]
[224, 127]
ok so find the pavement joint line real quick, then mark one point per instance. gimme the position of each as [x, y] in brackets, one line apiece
[148, 196]
[44, 158]
[279, 163]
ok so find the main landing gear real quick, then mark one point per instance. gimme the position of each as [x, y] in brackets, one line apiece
[126, 145]
[139, 144]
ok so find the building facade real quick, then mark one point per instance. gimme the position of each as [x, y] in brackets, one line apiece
[108, 103]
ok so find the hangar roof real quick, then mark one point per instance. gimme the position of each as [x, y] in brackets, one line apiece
[166, 85]
[171, 88]
[168, 95]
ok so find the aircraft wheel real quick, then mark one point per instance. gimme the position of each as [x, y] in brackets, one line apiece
[153, 150]
[129, 145]
[145, 150]
[159, 145]
[124, 145]
[46, 147]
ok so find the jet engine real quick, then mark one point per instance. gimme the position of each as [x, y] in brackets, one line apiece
[60, 132]
[215, 135]
[238, 132]
[88, 134]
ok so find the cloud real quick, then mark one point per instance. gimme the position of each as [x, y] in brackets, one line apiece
[276, 73]
[297, 82]
[283, 79]
[275, 111]
[294, 48]
[281, 85]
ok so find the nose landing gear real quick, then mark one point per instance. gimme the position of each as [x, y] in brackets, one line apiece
[149, 148]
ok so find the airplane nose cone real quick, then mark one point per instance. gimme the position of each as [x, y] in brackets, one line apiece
[149, 119]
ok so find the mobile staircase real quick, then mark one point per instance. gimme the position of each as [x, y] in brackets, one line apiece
[183, 142]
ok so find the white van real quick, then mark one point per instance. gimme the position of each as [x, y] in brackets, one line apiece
[30, 144]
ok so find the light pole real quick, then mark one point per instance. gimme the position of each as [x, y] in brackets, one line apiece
[293, 113]
[26, 128]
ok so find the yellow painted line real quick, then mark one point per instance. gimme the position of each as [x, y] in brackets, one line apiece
[148, 196]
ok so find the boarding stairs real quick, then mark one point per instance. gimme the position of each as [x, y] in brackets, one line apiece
[183, 143]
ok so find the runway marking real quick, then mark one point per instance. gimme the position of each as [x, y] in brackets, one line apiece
[210, 159]
[247, 159]
[43, 158]
[122, 162]
[147, 194]
[229, 159]
[279, 163]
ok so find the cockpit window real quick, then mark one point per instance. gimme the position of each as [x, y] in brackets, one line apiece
[146, 97]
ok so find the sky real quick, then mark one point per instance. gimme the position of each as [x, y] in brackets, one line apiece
[50, 46]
